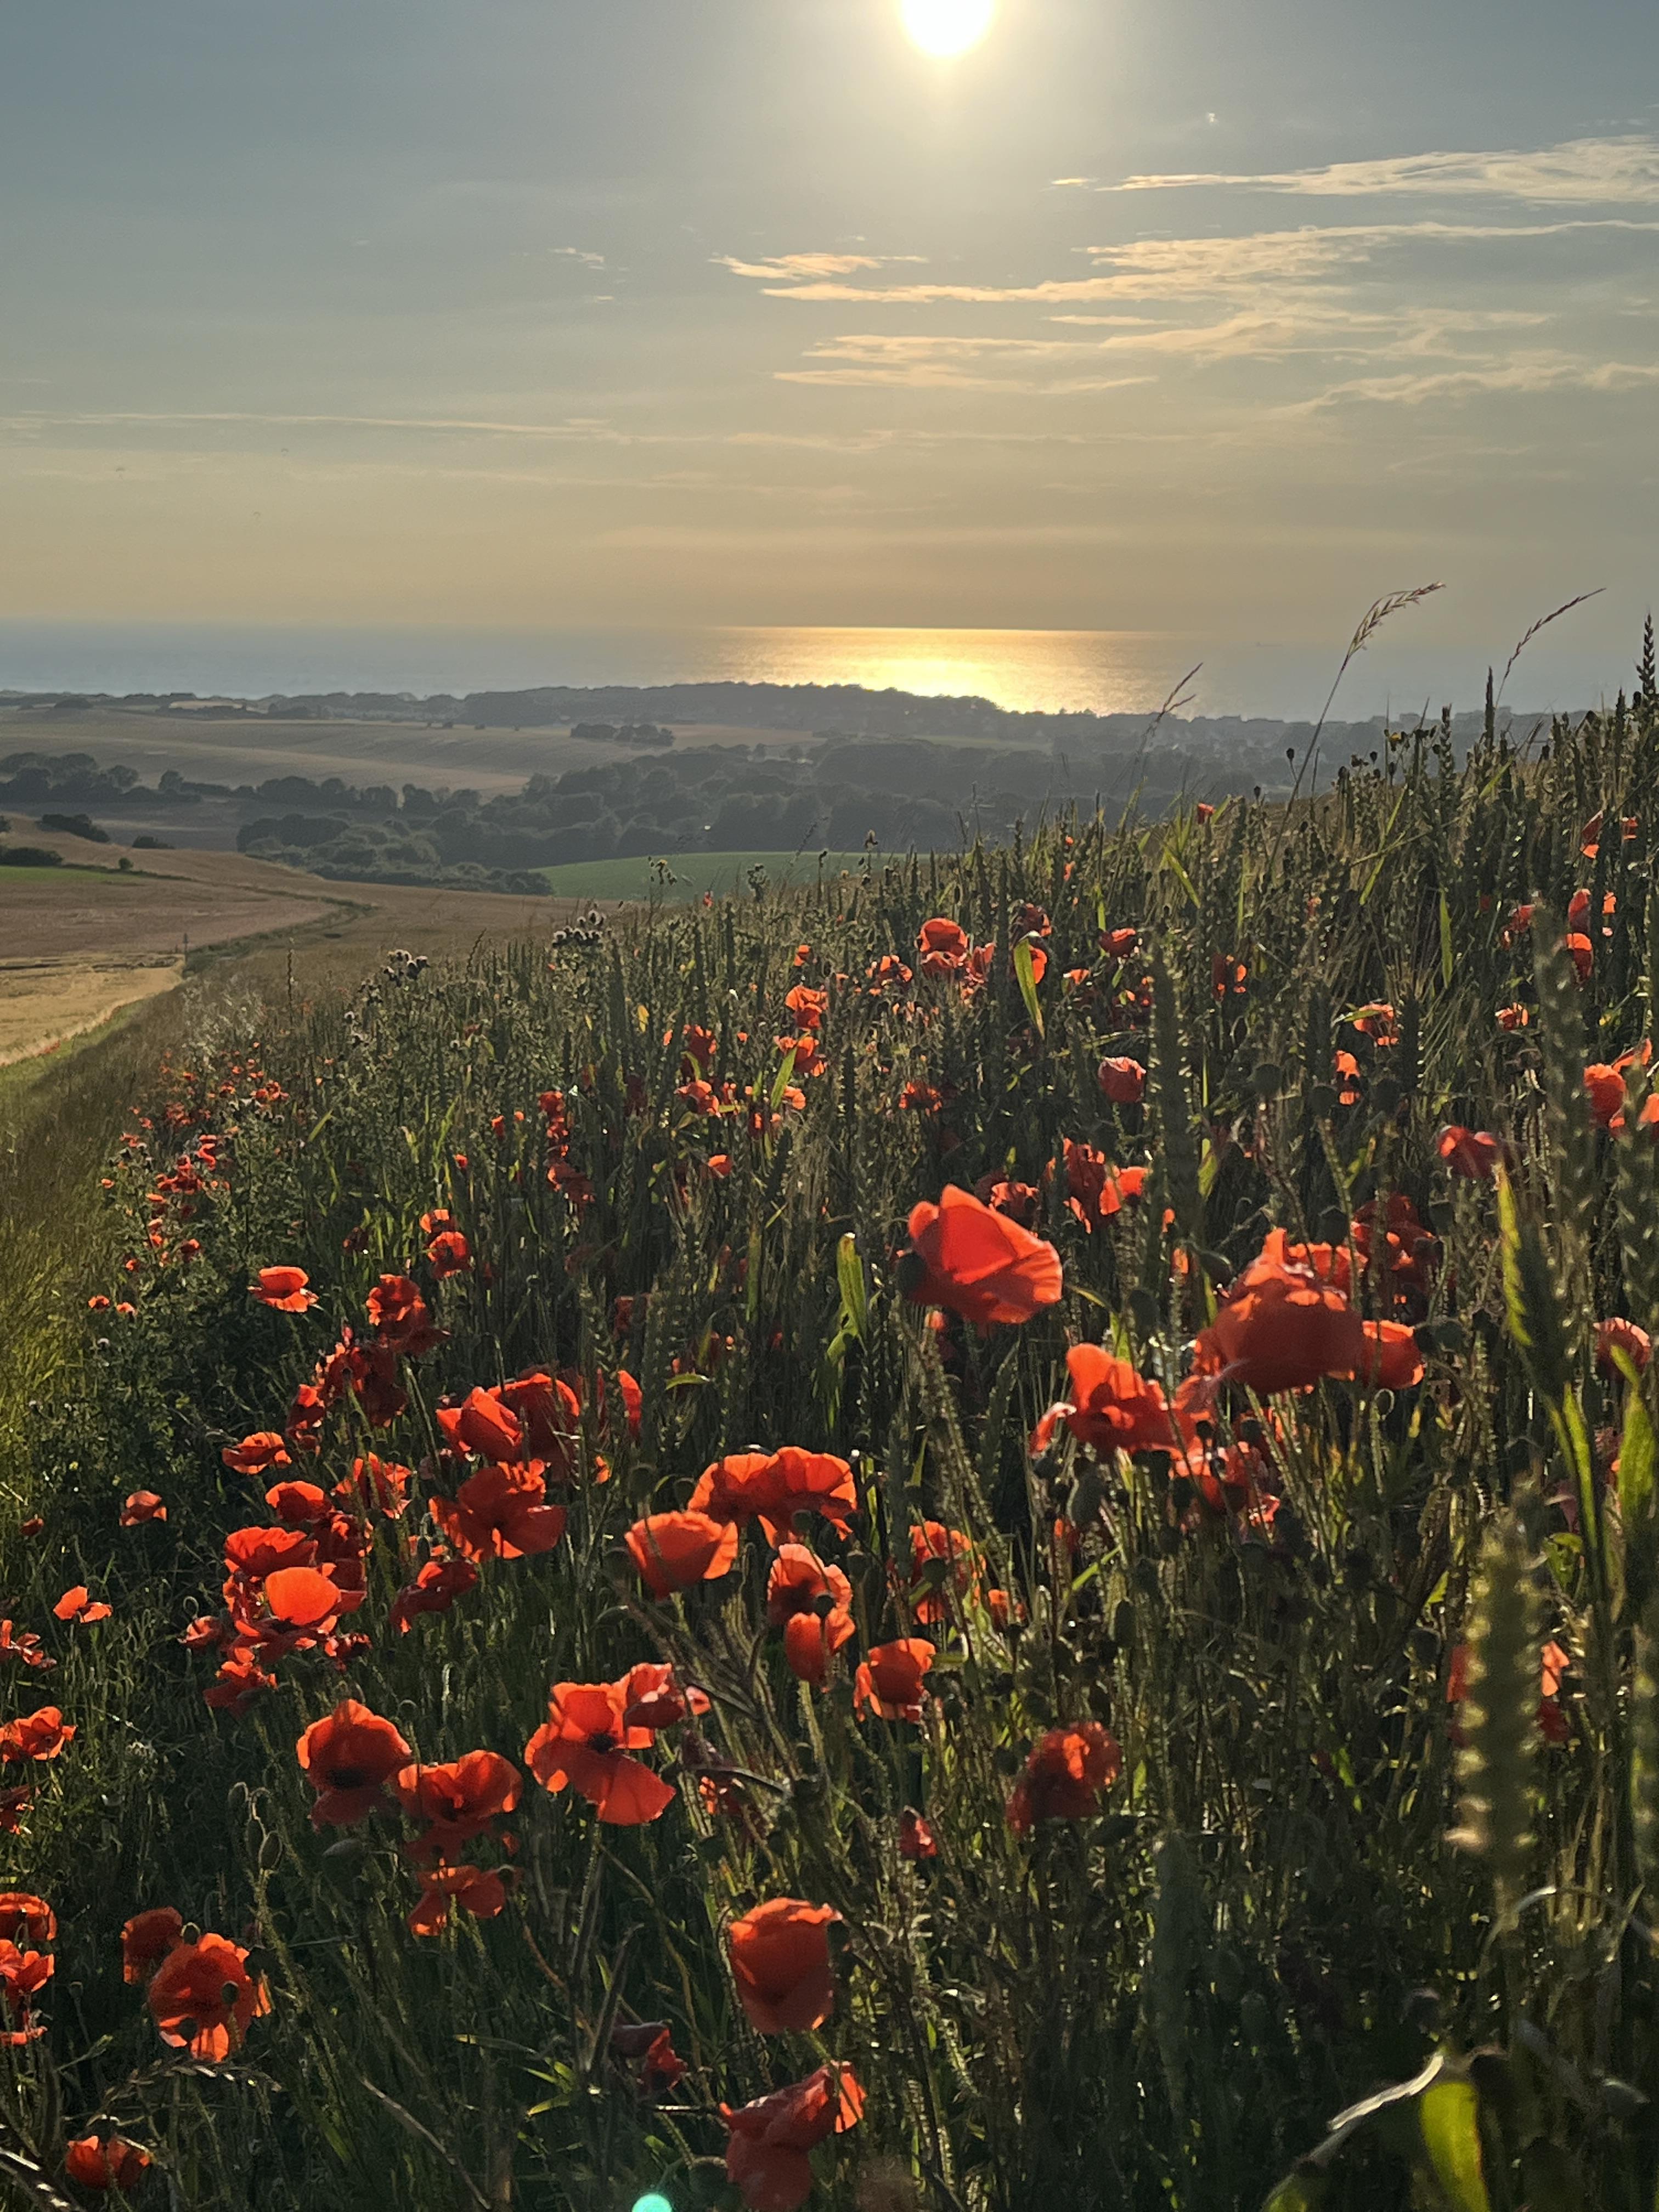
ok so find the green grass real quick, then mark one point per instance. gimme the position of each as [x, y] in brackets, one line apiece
[693, 874]
[1156, 1998]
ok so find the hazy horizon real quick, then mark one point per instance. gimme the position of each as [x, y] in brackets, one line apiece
[559, 319]
[1027, 671]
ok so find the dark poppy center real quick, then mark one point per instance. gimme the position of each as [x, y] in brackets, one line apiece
[347, 1777]
[602, 1742]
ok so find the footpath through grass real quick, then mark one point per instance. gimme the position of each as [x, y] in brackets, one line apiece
[984, 1538]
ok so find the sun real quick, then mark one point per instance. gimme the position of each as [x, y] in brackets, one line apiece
[945, 27]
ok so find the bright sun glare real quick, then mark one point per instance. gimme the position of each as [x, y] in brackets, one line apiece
[948, 27]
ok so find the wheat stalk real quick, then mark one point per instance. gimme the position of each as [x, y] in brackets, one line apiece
[1543, 623]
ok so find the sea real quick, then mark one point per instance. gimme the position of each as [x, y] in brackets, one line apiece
[1047, 671]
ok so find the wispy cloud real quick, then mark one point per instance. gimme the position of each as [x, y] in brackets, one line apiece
[579, 253]
[1177, 267]
[576, 430]
[1329, 330]
[1578, 172]
[1527, 373]
[799, 268]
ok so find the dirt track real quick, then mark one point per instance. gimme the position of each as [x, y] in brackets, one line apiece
[76, 947]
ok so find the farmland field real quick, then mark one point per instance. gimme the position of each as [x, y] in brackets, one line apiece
[981, 1537]
[690, 874]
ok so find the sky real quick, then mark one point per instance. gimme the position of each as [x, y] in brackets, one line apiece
[1187, 316]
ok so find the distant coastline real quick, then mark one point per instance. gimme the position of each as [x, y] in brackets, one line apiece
[1105, 673]
[817, 711]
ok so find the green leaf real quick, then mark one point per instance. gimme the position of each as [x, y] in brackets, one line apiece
[1297, 2193]
[1636, 1449]
[1025, 975]
[780, 1080]
[849, 1272]
[1449, 2114]
[1172, 863]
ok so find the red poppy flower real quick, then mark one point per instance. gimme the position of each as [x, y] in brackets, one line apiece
[800, 1481]
[14, 1804]
[811, 1603]
[916, 1840]
[401, 1318]
[1285, 1323]
[375, 1485]
[940, 1558]
[254, 1552]
[147, 1939]
[143, 1505]
[77, 1604]
[1064, 1773]
[766, 2153]
[101, 2162]
[440, 1582]
[1113, 1407]
[478, 1893]
[458, 1800]
[40, 1735]
[585, 1743]
[238, 1681]
[1621, 1335]
[449, 1253]
[26, 1919]
[284, 1289]
[550, 1414]
[735, 1488]
[780, 1957]
[1604, 1085]
[1390, 1359]
[1020, 1201]
[348, 1758]
[1471, 1153]
[889, 1681]
[304, 1601]
[663, 2066]
[943, 945]
[1123, 1081]
[23, 1975]
[653, 1697]
[482, 1425]
[297, 1504]
[501, 1513]
[808, 1006]
[203, 1998]
[25, 1646]
[257, 1454]
[977, 1263]
[674, 1550]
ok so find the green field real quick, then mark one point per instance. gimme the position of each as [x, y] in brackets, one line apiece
[692, 874]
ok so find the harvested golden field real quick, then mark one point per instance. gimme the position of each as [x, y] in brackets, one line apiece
[79, 942]
[43, 1002]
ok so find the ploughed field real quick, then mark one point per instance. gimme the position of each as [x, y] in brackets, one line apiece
[980, 1535]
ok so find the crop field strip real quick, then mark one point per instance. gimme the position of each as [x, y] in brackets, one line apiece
[702, 1554]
